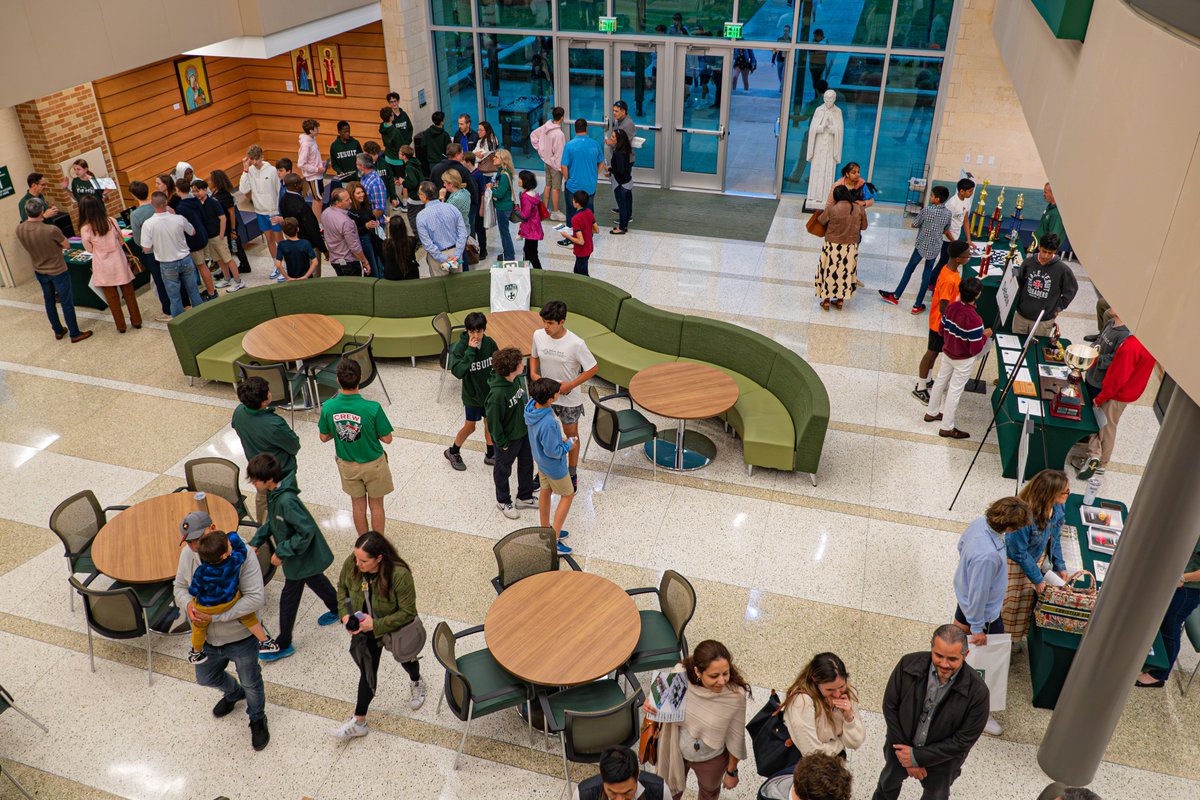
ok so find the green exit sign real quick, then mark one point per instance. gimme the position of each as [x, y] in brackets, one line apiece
[733, 30]
[608, 24]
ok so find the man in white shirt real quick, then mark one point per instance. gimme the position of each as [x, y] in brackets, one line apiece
[260, 181]
[959, 207]
[163, 233]
[559, 354]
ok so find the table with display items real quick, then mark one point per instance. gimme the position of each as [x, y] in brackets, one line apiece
[79, 264]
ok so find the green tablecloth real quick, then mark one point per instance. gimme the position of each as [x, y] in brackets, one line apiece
[1052, 652]
[1052, 437]
[81, 274]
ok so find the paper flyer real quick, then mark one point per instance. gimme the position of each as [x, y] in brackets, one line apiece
[669, 691]
[1008, 341]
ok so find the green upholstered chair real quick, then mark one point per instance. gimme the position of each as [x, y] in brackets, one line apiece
[216, 476]
[800, 390]
[76, 521]
[467, 292]
[591, 718]
[476, 685]
[644, 336]
[351, 301]
[120, 612]
[592, 305]
[525, 552]
[6, 702]
[1191, 627]
[323, 372]
[617, 429]
[401, 322]
[208, 338]
[663, 642]
[284, 385]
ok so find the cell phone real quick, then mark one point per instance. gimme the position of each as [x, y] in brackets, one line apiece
[1109, 504]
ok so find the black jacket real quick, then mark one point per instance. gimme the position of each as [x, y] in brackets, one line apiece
[957, 723]
[652, 785]
[448, 164]
[294, 205]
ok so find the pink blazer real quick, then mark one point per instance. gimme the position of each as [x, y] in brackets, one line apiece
[110, 267]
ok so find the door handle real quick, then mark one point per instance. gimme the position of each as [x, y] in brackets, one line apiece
[649, 127]
[698, 130]
[722, 132]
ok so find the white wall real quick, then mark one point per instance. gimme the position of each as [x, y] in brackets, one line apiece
[14, 156]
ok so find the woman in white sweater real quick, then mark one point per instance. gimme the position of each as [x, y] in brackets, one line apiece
[821, 709]
[711, 740]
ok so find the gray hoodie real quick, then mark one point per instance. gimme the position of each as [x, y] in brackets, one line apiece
[1049, 288]
[224, 628]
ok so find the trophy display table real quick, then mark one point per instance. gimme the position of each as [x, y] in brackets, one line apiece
[1052, 437]
[986, 305]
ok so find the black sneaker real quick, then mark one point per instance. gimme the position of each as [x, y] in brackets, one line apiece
[259, 734]
[268, 645]
[565, 243]
[455, 459]
[922, 395]
[224, 705]
[1091, 337]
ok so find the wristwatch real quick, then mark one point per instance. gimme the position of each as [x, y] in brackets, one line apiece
[733, 773]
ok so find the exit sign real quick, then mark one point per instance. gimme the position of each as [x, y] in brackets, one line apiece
[733, 30]
[608, 24]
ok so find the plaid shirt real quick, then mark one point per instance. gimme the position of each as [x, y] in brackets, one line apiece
[930, 224]
[376, 191]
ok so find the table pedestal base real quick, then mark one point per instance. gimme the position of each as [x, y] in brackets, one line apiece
[681, 450]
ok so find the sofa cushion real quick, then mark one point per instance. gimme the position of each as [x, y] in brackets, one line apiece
[420, 298]
[468, 289]
[767, 440]
[401, 337]
[216, 362]
[322, 296]
[649, 327]
[457, 317]
[619, 360]
[801, 391]
[584, 295]
[194, 331]
[352, 323]
[727, 346]
[585, 328]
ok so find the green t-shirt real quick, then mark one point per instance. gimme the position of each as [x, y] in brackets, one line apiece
[1193, 565]
[356, 424]
[343, 155]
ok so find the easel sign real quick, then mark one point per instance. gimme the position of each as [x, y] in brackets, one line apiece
[1006, 295]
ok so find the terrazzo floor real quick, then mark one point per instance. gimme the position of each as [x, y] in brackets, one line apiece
[861, 564]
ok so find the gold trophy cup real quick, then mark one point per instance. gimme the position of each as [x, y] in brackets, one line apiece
[1068, 401]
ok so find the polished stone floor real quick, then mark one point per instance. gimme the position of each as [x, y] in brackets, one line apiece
[860, 564]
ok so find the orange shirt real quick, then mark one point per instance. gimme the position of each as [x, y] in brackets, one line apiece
[946, 289]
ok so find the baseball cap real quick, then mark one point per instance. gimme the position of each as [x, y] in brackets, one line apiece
[621, 104]
[194, 525]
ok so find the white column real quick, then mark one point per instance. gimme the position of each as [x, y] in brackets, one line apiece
[15, 266]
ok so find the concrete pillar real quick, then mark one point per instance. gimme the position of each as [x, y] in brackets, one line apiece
[1159, 536]
[409, 46]
[15, 266]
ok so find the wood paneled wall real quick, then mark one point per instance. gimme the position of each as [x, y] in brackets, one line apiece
[251, 104]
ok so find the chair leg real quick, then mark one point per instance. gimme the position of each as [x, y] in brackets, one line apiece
[149, 662]
[26, 716]
[70, 589]
[20, 788]
[654, 457]
[529, 717]
[586, 446]
[91, 653]
[562, 738]
[440, 699]
[1183, 689]
[612, 458]
[379, 378]
[466, 730]
[812, 476]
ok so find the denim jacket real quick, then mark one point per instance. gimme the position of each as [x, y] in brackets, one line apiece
[1027, 545]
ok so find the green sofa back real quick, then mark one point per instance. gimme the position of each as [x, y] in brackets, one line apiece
[420, 298]
[799, 388]
[468, 290]
[342, 296]
[649, 327]
[729, 346]
[195, 330]
[592, 298]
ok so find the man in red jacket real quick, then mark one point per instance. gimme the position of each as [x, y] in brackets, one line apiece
[1117, 379]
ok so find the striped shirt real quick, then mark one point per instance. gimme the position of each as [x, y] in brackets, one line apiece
[962, 331]
[931, 223]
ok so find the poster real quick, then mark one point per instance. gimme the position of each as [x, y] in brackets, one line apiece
[329, 69]
[1008, 291]
[193, 83]
[302, 70]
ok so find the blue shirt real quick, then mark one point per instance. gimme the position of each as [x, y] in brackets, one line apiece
[376, 191]
[214, 584]
[582, 156]
[440, 227]
[296, 256]
[1028, 545]
[982, 575]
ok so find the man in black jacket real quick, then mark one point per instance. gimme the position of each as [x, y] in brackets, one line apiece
[935, 711]
[619, 778]
[293, 204]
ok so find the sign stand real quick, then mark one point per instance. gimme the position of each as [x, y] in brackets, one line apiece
[1006, 295]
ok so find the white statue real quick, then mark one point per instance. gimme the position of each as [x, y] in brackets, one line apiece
[824, 149]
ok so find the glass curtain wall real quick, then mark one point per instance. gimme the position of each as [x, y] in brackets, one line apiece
[518, 89]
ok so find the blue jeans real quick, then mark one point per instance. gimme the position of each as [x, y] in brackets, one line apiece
[1183, 603]
[624, 206]
[59, 285]
[926, 277]
[506, 242]
[591, 204]
[179, 272]
[368, 247]
[244, 655]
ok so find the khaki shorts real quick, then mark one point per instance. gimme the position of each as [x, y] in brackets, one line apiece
[217, 250]
[553, 177]
[372, 479]
[560, 486]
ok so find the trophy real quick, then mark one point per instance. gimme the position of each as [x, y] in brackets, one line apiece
[978, 227]
[1020, 205]
[997, 215]
[1067, 402]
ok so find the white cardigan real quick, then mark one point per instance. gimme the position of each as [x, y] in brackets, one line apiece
[813, 735]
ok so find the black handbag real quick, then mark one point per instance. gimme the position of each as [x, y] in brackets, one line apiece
[769, 737]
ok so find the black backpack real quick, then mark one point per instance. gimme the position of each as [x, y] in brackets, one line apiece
[769, 737]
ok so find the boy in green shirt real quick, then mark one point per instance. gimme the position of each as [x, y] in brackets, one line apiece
[343, 153]
[261, 430]
[471, 362]
[359, 426]
[504, 410]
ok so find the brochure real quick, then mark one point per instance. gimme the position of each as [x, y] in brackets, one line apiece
[1029, 407]
[1049, 371]
[1010, 357]
[1008, 341]
[1103, 517]
[669, 693]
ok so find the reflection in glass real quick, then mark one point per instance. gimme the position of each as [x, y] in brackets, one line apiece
[456, 75]
[514, 14]
[905, 126]
[519, 79]
[842, 22]
[580, 15]
[639, 90]
[585, 84]
[451, 12]
[701, 112]
[677, 17]
[856, 78]
[765, 21]
[922, 24]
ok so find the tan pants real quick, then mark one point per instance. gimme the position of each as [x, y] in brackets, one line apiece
[112, 294]
[437, 270]
[1100, 445]
[1022, 326]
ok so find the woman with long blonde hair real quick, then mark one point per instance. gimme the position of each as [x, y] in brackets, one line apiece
[821, 709]
[504, 198]
[454, 192]
[1030, 547]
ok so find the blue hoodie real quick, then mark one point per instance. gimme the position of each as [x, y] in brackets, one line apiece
[546, 439]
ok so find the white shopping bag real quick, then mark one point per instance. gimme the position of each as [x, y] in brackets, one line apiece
[991, 662]
[510, 289]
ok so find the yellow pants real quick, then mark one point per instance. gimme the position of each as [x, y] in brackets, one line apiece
[200, 629]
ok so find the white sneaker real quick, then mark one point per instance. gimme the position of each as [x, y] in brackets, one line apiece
[235, 286]
[507, 510]
[222, 283]
[274, 275]
[519, 503]
[352, 729]
[992, 728]
[558, 216]
[416, 697]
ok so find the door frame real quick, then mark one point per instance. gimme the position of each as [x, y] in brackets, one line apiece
[697, 180]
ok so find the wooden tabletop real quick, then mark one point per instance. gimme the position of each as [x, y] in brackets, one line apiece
[292, 338]
[141, 544]
[562, 628]
[683, 391]
[514, 329]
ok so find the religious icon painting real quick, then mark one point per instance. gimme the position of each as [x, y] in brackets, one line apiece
[193, 83]
[329, 69]
[302, 70]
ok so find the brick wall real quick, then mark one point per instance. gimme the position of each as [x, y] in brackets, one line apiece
[58, 127]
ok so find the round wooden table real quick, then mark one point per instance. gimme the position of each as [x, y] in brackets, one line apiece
[514, 329]
[141, 544]
[292, 338]
[562, 628]
[683, 391]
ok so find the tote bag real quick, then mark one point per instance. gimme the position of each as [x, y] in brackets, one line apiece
[769, 737]
[510, 289]
[991, 662]
[1066, 608]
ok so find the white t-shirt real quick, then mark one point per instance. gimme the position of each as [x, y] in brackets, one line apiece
[958, 212]
[563, 360]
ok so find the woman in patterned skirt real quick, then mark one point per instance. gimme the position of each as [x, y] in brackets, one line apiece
[837, 274]
[1029, 548]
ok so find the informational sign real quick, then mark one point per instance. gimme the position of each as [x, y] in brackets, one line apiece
[6, 186]
[733, 30]
[608, 24]
[1023, 448]
[1006, 295]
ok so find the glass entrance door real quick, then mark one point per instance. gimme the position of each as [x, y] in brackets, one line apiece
[701, 117]
[637, 79]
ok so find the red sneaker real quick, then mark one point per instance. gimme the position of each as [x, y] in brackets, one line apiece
[889, 297]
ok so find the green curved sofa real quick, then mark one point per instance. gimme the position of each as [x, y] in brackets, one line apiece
[782, 410]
